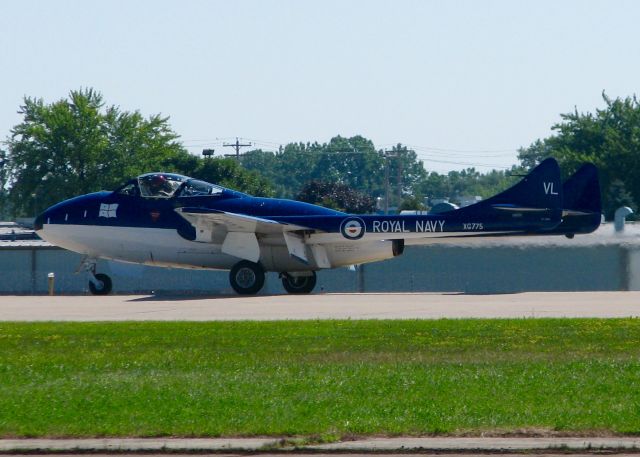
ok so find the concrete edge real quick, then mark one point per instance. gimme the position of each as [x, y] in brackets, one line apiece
[141, 445]
[480, 444]
[257, 445]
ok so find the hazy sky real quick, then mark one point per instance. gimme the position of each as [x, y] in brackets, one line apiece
[465, 83]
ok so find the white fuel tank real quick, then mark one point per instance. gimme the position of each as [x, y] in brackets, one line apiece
[277, 258]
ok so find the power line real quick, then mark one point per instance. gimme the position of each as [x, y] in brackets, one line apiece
[425, 153]
[469, 164]
[420, 156]
[465, 151]
[432, 149]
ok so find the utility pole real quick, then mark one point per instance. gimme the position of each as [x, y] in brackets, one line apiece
[387, 154]
[237, 145]
[399, 181]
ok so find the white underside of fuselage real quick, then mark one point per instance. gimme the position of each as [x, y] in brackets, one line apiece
[150, 246]
[166, 248]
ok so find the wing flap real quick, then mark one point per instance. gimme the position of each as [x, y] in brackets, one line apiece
[296, 246]
[243, 245]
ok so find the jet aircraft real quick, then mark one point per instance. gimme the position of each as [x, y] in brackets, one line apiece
[170, 220]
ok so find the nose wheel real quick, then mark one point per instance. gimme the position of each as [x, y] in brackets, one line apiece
[299, 284]
[100, 284]
[247, 278]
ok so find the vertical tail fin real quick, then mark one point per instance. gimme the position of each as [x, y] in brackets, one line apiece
[582, 190]
[582, 202]
[540, 190]
[533, 204]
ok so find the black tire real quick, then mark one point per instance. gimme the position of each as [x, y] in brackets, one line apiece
[247, 278]
[300, 284]
[106, 285]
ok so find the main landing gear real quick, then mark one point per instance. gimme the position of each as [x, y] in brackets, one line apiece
[99, 283]
[247, 278]
[299, 284]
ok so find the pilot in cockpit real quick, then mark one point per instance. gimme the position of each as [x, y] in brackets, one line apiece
[157, 185]
[160, 187]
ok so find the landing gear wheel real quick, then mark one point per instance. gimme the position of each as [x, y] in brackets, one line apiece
[105, 286]
[299, 284]
[247, 278]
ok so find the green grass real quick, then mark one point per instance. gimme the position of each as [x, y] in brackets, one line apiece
[325, 378]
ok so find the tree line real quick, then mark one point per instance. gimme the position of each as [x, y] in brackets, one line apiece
[609, 138]
[79, 144]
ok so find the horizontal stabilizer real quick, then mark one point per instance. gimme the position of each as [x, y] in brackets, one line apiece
[572, 212]
[518, 209]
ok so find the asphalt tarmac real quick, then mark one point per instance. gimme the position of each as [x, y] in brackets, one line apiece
[319, 306]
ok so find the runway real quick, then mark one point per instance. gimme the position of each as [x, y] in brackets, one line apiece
[319, 306]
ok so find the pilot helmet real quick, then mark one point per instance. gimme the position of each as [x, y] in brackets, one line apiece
[158, 180]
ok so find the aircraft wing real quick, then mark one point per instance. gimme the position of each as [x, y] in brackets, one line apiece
[240, 230]
[235, 222]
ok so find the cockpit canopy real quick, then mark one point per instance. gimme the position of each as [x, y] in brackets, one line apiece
[160, 185]
[168, 185]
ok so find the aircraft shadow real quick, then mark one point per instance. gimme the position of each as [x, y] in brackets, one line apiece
[186, 297]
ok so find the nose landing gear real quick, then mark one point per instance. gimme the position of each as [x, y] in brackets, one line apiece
[99, 283]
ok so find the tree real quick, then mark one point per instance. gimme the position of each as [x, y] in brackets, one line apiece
[609, 138]
[336, 196]
[263, 163]
[288, 169]
[226, 172]
[534, 154]
[469, 182]
[76, 145]
[3, 184]
[229, 173]
[404, 162]
[353, 161]
[412, 203]
[618, 196]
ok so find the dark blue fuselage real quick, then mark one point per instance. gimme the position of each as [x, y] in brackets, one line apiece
[136, 211]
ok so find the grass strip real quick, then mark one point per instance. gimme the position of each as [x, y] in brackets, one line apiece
[321, 378]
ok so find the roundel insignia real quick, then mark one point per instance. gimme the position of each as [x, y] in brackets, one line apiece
[353, 228]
